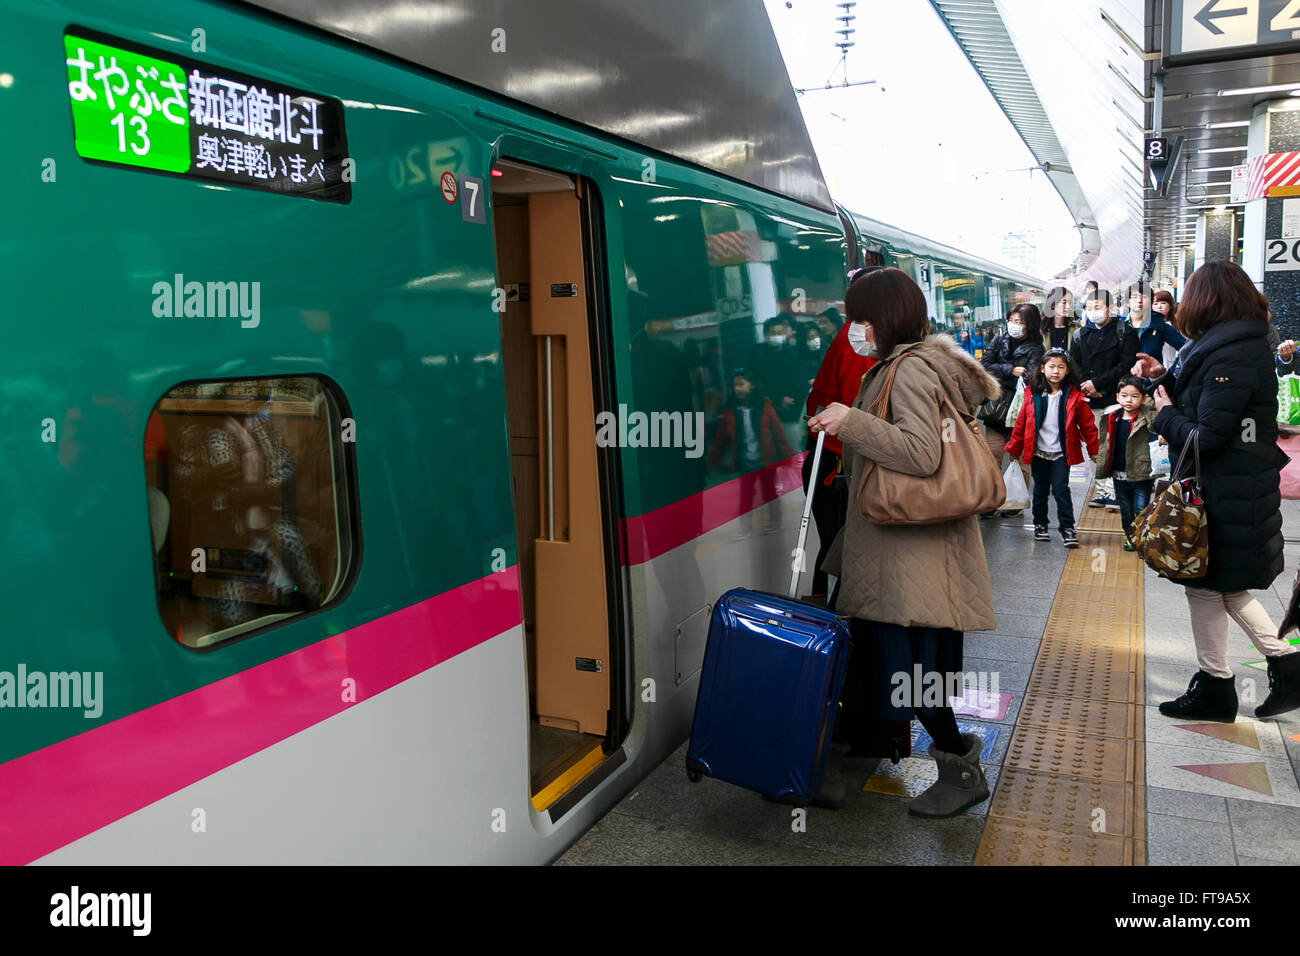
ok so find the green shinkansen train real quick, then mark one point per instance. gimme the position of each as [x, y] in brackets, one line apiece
[364, 496]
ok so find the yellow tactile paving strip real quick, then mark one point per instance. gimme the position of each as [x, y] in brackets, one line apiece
[1072, 790]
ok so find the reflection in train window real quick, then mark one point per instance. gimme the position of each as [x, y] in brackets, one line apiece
[251, 504]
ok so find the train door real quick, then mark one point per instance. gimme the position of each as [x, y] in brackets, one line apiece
[561, 510]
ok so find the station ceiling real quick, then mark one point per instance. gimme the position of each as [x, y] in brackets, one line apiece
[1214, 131]
[700, 81]
[1086, 71]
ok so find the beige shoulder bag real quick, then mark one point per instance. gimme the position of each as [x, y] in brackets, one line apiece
[967, 482]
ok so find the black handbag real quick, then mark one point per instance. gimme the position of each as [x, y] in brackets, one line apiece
[993, 411]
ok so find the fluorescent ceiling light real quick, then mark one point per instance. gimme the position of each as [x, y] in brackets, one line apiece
[1278, 88]
[1224, 149]
[1232, 125]
[1214, 169]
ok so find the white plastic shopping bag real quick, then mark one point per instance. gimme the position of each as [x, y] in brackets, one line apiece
[1017, 492]
[1017, 401]
[1159, 459]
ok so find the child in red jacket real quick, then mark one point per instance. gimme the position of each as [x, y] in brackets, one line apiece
[1048, 436]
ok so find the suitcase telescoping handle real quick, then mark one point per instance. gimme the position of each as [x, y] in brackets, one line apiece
[797, 559]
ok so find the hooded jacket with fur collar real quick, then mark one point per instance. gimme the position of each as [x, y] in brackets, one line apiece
[913, 575]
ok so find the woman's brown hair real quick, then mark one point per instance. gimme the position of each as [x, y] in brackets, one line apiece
[893, 304]
[1218, 291]
[1168, 298]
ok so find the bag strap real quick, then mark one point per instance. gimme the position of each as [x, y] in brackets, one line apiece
[880, 407]
[1193, 445]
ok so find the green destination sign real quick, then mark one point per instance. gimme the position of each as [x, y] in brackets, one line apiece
[127, 107]
[137, 107]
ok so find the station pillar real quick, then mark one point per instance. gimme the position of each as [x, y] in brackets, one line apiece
[1216, 237]
[1275, 269]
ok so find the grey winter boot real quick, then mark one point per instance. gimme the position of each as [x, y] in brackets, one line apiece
[961, 782]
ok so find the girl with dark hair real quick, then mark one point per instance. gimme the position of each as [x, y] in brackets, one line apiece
[1050, 432]
[1224, 378]
[1163, 304]
[1012, 355]
[887, 571]
[1059, 320]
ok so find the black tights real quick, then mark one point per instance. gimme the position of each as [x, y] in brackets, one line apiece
[941, 724]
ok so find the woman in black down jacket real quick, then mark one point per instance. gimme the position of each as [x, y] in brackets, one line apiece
[1013, 354]
[1226, 391]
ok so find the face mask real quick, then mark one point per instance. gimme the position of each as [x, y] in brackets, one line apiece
[1015, 330]
[815, 344]
[858, 340]
[776, 340]
[1096, 316]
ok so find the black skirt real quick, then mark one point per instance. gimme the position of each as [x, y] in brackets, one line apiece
[891, 666]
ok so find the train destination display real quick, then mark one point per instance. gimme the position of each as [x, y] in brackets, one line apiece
[169, 114]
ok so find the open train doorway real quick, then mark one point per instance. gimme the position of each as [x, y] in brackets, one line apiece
[550, 349]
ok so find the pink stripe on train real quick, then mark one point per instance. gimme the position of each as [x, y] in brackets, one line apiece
[654, 533]
[60, 793]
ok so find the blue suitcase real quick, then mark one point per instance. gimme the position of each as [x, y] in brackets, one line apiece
[769, 688]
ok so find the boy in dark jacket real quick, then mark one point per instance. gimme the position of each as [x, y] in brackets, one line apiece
[1153, 332]
[1104, 351]
[1125, 454]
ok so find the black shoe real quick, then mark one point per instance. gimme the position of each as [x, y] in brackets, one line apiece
[1098, 502]
[1040, 532]
[1011, 514]
[1283, 686]
[1207, 698]
[988, 514]
[1069, 538]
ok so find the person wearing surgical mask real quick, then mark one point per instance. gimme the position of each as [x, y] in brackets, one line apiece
[1010, 356]
[810, 352]
[1104, 351]
[861, 340]
[777, 367]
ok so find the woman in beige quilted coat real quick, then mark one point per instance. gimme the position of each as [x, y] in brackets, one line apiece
[911, 590]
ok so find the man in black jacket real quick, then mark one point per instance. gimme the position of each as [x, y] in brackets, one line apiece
[1103, 350]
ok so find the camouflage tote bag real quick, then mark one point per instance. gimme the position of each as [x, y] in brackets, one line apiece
[1171, 533]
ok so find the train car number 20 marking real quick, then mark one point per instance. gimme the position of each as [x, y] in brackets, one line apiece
[449, 188]
[1283, 255]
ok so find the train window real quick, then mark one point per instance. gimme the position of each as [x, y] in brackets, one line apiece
[251, 504]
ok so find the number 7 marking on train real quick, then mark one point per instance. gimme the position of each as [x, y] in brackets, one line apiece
[471, 210]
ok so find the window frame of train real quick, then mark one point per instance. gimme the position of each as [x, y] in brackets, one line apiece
[207, 554]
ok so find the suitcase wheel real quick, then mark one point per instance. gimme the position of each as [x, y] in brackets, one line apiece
[694, 776]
